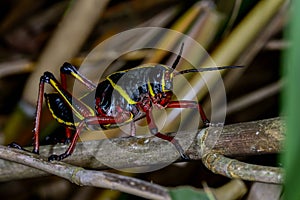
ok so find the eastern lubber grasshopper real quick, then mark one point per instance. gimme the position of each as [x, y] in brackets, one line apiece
[114, 103]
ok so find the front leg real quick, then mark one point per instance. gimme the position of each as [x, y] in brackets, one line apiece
[193, 105]
[154, 131]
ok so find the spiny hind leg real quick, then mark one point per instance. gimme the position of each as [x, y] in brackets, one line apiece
[94, 120]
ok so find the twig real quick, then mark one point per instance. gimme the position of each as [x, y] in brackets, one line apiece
[66, 41]
[234, 189]
[84, 177]
[265, 191]
[275, 45]
[265, 136]
[68, 38]
[246, 56]
[232, 168]
[15, 67]
[243, 139]
[253, 97]
[18, 12]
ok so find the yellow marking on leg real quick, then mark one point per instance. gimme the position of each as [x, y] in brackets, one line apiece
[54, 84]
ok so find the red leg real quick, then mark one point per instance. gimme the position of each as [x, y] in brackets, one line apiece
[98, 120]
[50, 79]
[154, 130]
[68, 69]
[71, 147]
[132, 129]
[68, 131]
[36, 130]
[76, 105]
[190, 104]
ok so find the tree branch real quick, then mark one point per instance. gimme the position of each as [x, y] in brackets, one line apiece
[242, 139]
[232, 168]
[80, 176]
[245, 139]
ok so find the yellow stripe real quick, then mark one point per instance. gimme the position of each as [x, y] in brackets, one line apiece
[121, 91]
[60, 120]
[82, 81]
[77, 77]
[124, 94]
[53, 83]
[163, 83]
[150, 89]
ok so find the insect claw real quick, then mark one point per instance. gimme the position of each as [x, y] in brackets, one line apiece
[35, 151]
[54, 157]
[67, 141]
[17, 146]
[206, 123]
[185, 157]
[216, 124]
[180, 150]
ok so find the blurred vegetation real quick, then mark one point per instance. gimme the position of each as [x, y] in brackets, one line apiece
[290, 99]
[234, 32]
